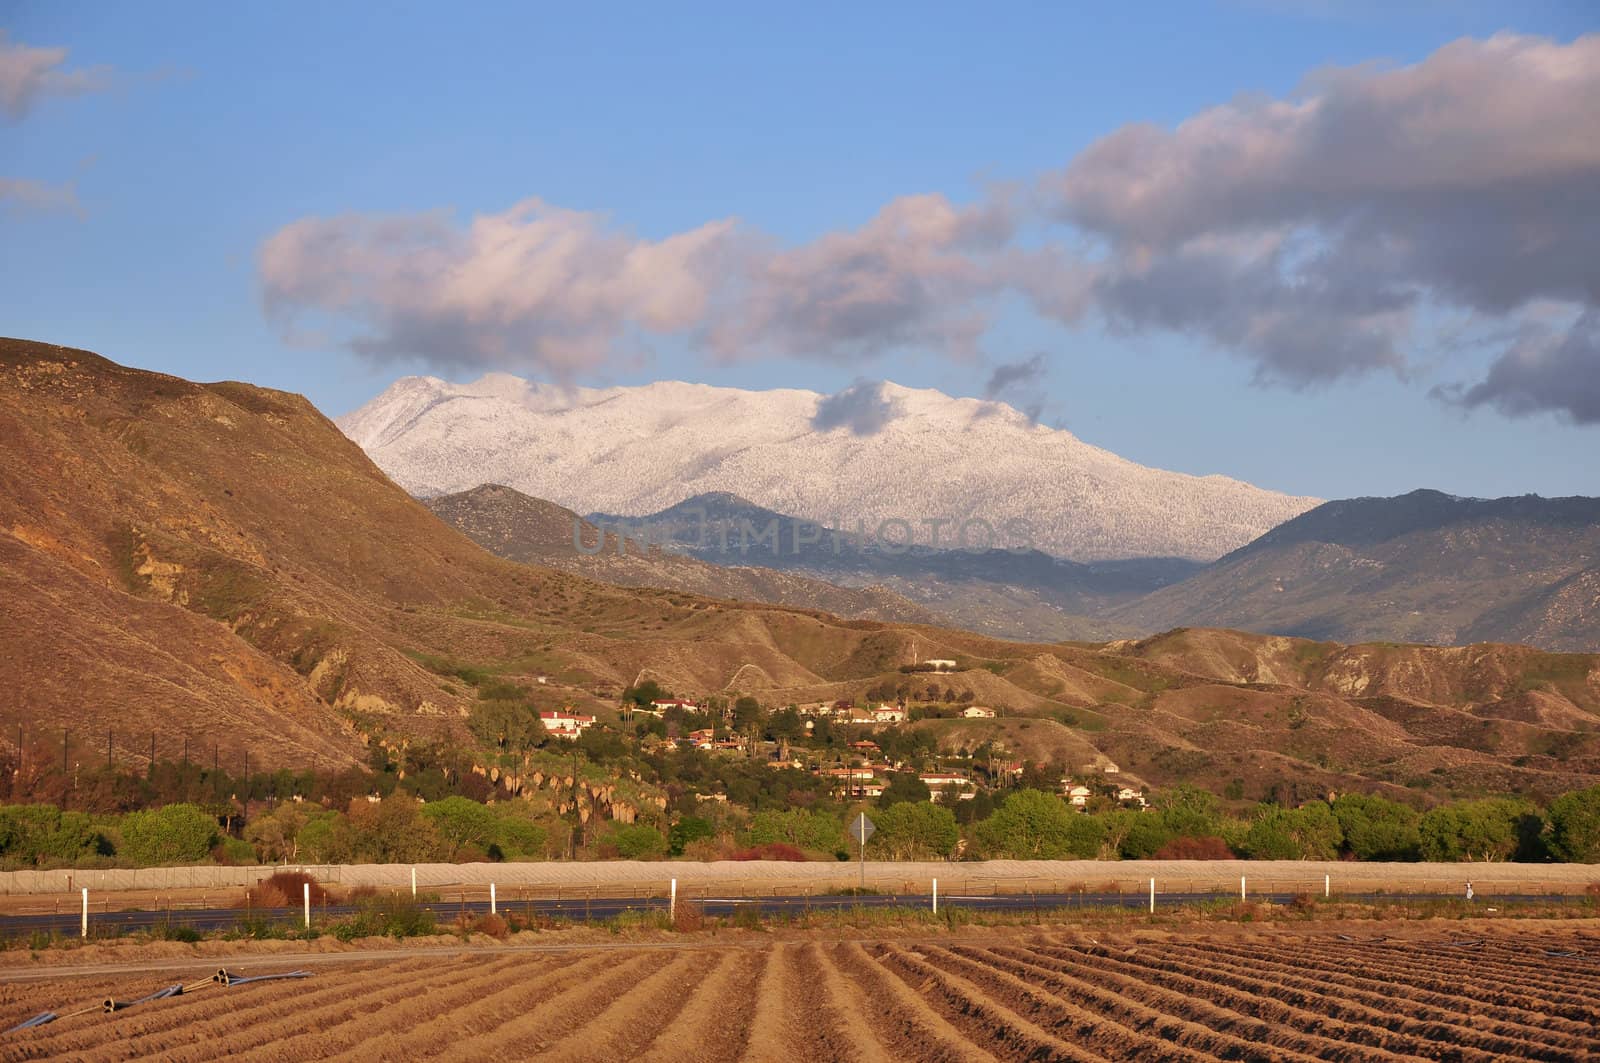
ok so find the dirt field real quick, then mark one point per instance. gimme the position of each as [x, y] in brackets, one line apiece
[1460, 991]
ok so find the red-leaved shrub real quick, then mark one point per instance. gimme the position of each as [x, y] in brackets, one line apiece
[770, 851]
[1195, 849]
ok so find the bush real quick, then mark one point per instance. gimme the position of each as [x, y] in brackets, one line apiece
[176, 834]
[687, 830]
[637, 841]
[1195, 849]
[770, 851]
[1490, 829]
[1377, 829]
[286, 889]
[492, 925]
[813, 831]
[394, 917]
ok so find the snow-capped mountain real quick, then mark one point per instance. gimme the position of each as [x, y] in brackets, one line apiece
[642, 449]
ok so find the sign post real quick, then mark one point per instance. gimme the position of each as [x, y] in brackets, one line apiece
[861, 829]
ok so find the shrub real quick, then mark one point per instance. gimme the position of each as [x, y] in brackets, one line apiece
[176, 834]
[286, 889]
[394, 917]
[492, 925]
[1195, 849]
[770, 851]
[688, 918]
[638, 841]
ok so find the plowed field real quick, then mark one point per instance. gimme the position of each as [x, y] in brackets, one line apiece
[1433, 994]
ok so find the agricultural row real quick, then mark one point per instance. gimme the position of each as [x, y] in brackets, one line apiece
[1071, 997]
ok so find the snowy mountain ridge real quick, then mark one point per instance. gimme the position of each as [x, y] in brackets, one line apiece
[642, 449]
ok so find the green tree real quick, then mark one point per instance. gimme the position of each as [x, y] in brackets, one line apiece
[904, 786]
[643, 694]
[37, 835]
[1489, 829]
[1309, 832]
[816, 831]
[1034, 825]
[1377, 829]
[275, 837]
[686, 830]
[390, 831]
[462, 825]
[175, 834]
[1188, 811]
[1575, 826]
[916, 831]
[638, 841]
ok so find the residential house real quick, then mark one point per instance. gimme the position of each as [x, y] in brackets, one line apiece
[1078, 795]
[888, 714]
[978, 712]
[565, 724]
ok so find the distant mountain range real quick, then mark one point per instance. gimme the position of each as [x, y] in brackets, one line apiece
[217, 564]
[921, 456]
[1423, 567]
[509, 523]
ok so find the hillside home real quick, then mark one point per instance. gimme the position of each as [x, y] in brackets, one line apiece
[888, 714]
[1128, 794]
[1078, 795]
[938, 782]
[939, 664]
[978, 712]
[672, 703]
[565, 724]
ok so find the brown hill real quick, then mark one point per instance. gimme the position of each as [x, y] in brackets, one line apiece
[1421, 567]
[217, 562]
[518, 527]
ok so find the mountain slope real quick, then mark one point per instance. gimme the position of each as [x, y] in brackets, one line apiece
[1022, 594]
[1423, 567]
[640, 449]
[217, 562]
[512, 525]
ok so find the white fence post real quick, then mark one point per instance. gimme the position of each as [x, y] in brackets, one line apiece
[1152, 896]
[306, 889]
[84, 929]
[935, 896]
[672, 901]
[413, 883]
[1241, 887]
[1327, 886]
[492, 909]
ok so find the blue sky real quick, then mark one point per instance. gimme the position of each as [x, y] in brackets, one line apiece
[200, 131]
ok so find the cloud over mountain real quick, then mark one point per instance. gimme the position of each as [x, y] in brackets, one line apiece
[1318, 236]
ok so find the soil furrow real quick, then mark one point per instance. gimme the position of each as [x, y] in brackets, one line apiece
[715, 1023]
[1244, 1018]
[625, 1026]
[1003, 1032]
[903, 1022]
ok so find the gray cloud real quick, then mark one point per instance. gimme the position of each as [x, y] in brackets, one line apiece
[862, 407]
[1306, 233]
[1314, 236]
[1547, 369]
[28, 73]
[1008, 376]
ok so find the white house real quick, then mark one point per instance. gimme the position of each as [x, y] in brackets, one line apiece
[938, 782]
[888, 714]
[978, 712]
[565, 724]
[939, 664]
[1078, 795]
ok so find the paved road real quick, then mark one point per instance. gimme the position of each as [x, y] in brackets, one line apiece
[606, 908]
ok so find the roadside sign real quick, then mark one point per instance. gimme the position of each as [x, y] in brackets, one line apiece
[862, 828]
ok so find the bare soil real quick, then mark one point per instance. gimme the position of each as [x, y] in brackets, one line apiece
[1459, 990]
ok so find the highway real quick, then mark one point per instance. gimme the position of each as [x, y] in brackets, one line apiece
[600, 908]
